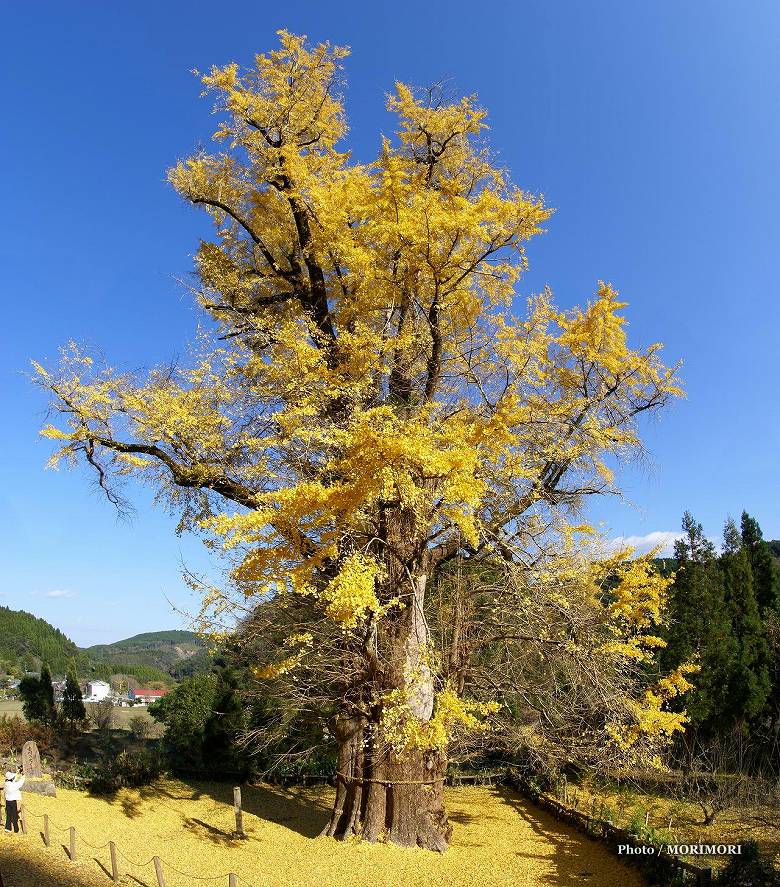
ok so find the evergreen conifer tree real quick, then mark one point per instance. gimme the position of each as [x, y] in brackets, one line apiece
[749, 678]
[700, 627]
[33, 702]
[72, 701]
[772, 633]
[765, 580]
[226, 723]
[47, 695]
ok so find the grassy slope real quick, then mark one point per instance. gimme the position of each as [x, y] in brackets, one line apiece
[498, 841]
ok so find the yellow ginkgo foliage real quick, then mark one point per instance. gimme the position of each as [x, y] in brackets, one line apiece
[368, 403]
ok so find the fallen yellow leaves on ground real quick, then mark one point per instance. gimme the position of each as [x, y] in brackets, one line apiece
[681, 822]
[499, 839]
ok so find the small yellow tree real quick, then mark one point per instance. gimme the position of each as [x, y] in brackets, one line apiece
[364, 406]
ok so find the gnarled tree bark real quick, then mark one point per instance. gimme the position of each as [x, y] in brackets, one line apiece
[383, 793]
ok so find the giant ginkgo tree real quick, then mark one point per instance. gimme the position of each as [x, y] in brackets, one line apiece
[365, 405]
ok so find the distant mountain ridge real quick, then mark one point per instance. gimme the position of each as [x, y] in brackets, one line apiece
[178, 653]
[187, 640]
[26, 641]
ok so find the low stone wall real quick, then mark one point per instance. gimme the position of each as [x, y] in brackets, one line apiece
[659, 866]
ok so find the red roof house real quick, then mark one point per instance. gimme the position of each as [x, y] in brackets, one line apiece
[142, 694]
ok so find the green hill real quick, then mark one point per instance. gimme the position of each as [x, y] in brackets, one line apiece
[26, 641]
[153, 639]
[177, 653]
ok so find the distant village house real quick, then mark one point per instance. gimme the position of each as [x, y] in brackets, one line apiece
[143, 696]
[97, 691]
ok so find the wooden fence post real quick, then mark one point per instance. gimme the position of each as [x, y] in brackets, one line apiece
[23, 819]
[232, 880]
[159, 871]
[72, 852]
[46, 838]
[114, 865]
[239, 814]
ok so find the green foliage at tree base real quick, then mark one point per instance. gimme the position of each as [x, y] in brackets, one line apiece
[128, 769]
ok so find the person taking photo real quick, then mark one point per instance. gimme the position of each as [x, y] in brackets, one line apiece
[12, 791]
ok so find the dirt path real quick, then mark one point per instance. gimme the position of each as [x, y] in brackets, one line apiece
[499, 840]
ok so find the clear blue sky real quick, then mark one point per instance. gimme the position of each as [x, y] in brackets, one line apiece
[653, 128]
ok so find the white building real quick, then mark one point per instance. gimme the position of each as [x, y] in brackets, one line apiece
[96, 691]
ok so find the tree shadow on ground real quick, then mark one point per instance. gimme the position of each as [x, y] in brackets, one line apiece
[130, 799]
[26, 872]
[461, 818]
[573, 856]
[136, 880]
[201, 829]
[287, 806]
[283, 805]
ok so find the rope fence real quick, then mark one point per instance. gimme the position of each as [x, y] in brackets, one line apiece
[136, 865]
[452, 779]
[593, 826]
[159, 864]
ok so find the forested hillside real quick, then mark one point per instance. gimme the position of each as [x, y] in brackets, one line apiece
[27, 641]
[177, 653]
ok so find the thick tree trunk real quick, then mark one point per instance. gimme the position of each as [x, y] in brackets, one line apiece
[382, 794]
[416, 814]
[399, 799]
[345, 819]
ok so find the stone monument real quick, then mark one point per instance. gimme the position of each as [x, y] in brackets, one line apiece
[35, 780]
[31, 761]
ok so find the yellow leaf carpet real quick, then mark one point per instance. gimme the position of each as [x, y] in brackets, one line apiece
[499, 839]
